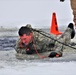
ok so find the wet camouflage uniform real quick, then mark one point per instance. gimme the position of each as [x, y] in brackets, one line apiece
[44, 44]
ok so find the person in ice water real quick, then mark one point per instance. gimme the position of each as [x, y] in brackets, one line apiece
[29, 41]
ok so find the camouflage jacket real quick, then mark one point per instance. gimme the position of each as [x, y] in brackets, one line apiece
[43, 43]
[40, 42]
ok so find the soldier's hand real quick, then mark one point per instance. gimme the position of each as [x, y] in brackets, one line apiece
[21, 45]
[53, 54]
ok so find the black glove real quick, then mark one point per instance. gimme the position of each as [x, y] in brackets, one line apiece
[53, 54]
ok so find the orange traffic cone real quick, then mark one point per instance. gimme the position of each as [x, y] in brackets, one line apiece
[54, 25]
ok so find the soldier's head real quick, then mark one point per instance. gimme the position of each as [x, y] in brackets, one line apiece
[25, 34]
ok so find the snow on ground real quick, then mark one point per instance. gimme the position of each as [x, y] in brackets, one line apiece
[31, 68]
[9, 65]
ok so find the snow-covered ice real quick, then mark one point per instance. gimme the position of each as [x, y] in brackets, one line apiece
[37, 68]
[9, 65]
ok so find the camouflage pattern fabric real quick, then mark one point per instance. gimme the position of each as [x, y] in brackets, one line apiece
[44, 44]
[64, 38]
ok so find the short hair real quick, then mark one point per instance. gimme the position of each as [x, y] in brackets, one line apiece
[24, 30]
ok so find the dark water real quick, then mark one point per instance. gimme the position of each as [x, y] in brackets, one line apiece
[8, 42]
[8, 39]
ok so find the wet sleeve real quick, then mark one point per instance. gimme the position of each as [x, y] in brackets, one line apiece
[19, 49]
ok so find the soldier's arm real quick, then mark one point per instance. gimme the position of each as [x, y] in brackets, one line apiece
[19, 49]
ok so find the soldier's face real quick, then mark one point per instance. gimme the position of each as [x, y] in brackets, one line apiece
[26, 38]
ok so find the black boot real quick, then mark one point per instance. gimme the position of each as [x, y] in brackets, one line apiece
[73, 31]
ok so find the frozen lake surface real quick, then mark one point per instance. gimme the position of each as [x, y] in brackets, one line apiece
[37, 68]
[9, 65]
